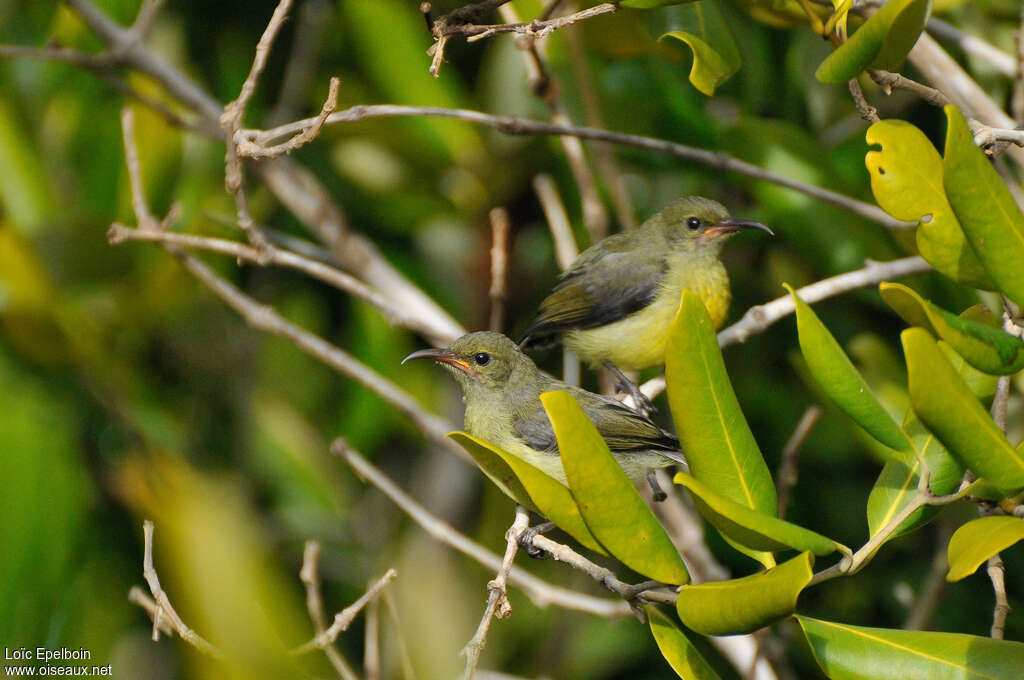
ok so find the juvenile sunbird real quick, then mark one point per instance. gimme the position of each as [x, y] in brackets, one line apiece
[615, 304]
[502, 388]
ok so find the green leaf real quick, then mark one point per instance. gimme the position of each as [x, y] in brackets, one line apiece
[720, 449]
[987, 349]
[883, 42]
[906, 179]
[529, 487]
[897, 483]
[990, 218]
[751, 528]
[837, 377]
[944, 403]
[847, 652]
[705, 31]
[676, 647]
[611, 506]
[492, 463]
[980, 539]
[745, 604]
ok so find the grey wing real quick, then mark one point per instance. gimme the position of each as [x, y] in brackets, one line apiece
[534, 428]
[601, 287]
[622, 428]
[627, 430]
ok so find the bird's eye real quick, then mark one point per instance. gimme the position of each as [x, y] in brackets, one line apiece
[693, 223]
[482, 358]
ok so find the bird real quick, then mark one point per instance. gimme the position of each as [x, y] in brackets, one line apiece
[615, 304]
[502, 387]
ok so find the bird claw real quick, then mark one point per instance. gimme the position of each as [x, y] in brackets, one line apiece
[526, 540]
[656, 490]
[643, 404]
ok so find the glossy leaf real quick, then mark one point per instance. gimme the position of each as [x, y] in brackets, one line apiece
[751, 528]
[492, 463]
[980, 539]
[676, 647]
[847, 652]
[610, 505]
[989, 216]
[530, 487]
[720, 449]
[705, 31]
[745, 604]
[987, 349]
[906, 179]
[882, 42]
[897, 483]
[945, 404]
[839, 379]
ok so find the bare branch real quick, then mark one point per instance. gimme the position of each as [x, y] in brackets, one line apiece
[497, 599]
[301, 138]
[541, 593]
[344, 618]
[997, 574]
[866, 110]
[499, 267]
[759, 317]
[786, 476]
[164, 614]
[1003, 62]
[566, 250]
[396, 315]
[512, 125]
[310, 577]
[538, 28]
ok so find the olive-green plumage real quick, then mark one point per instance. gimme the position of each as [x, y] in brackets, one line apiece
[616, 303]
[502, 387]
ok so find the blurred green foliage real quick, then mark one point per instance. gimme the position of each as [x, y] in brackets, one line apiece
[129, 391]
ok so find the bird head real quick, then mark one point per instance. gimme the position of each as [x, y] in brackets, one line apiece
[696, 223]
[482, 361]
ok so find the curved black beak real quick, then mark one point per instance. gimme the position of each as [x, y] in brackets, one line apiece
[444, 356]
[730, 225]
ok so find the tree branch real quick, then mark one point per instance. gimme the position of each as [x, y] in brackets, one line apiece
[512, 125]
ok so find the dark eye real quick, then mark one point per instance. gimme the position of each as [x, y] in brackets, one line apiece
[693, 223]
[482, 358]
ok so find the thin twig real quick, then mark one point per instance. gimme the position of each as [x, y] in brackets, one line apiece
[497, 597]
[997, 574]
[866, 110]
[165, 613]
[894, 81]
[396, 315]
[759, 317]
[566, 251]
[513, 125]
[371, 641]
[1001, 61]
[545, 87]
[934, 583]
[499, 267]
[541, 593]
[231, 121]
[301, 138]
[786, 476]
[538, 28]
[344, 618]
[313, 18]
[310, 577]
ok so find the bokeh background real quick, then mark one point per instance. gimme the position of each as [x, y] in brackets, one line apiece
[129, 391]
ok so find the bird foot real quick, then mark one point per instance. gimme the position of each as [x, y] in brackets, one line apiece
[659, 494]
[624, 385]
[526, 540]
